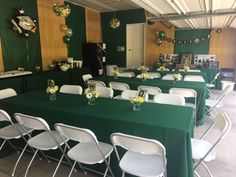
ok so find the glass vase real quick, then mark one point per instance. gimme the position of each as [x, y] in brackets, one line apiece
[91, 101]
[137, 106]
[52, 96]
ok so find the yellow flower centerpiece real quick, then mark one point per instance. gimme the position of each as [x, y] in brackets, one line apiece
[162, 68]
[144, 74]
[186, 67]
[136, 101]
[115, 72]
[91, 94]
[177, 77]
[52, 89]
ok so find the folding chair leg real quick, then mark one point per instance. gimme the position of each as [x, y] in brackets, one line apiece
[208, 170]
[197, 174]
[72, 169]
[123, 174]
[108, 166]
[13, 146]
[58, 165]
[3, 144]
[27, 170]
[14, 169]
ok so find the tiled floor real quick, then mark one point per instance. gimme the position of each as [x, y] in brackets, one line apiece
[222, 166]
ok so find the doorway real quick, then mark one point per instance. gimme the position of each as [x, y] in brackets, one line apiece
[134, 45]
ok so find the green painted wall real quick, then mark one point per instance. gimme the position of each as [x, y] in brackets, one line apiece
[201, 48]
[13, 44]
[76, 21]
[117, 37]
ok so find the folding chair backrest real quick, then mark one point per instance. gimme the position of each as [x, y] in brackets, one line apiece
[86, 77]
[72, 89]
[4, 116]
[151, 90]
[119, 86]
[97, 83]
[28, 121]
[215, 78]
[165, 98]
[138, 144]
[194, 78]
[76, 133]
[148, 76]
[127, 94]
[104, 92]
[223, 123]
[126, 74]
[168, 77]
[8, 92]
[166, 69]
[225, 92]
[187, 93]
[154, 75]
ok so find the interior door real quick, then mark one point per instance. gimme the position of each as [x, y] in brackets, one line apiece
[134, 45]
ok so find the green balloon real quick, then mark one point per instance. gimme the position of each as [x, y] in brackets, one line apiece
[66, 39]
[161, 34]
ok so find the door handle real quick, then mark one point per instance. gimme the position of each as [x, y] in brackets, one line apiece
[129, 50]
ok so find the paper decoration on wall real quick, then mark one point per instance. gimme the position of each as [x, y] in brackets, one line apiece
[61, 10]
[160, 36]
[115, 22]
[23, 24]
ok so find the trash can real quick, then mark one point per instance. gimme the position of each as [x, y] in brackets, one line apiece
[225, 83]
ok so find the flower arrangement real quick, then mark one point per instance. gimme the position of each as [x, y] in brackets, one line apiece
[136, 101]
[186, 67]
[115, 72]
[144, 75]
[177, 76]
[91, 94]
[52, 89]
[162, 68]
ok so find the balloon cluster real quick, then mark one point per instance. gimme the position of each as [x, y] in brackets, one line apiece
[160, 37]
[68, 33]
[23, 24]
[61, 10]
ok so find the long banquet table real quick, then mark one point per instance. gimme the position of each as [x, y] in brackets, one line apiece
[171, 125]
[165, 85]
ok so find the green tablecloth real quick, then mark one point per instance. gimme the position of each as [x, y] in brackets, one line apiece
[165, 85]
[211, 73]
[171, 125]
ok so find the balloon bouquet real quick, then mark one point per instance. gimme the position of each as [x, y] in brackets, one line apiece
[23, 24]
[159, 37]
[68, 33]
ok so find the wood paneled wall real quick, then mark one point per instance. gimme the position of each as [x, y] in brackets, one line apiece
[152, 50]
[51, 37]
[223, 46]
[93, 26]
[1, 57]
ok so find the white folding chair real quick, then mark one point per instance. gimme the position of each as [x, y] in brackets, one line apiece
[97, 83]
[166, 69]
[88, 150]
[165, 98]
[144, 157]
[128, 94]
[10, 132]
[169, 77]
[148, 76]
[120, 86]
[126, 74]
[86, 77]
[202, 149]
[151, 90]
[187, 93]
[212, 86]
[8, 92]
[154, 75]
[194, 78]
[71, 89]
[212, 105]
[47, 140]
[104, 92]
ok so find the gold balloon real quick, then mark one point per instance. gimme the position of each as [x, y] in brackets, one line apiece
[114, 23]
[64, 28]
